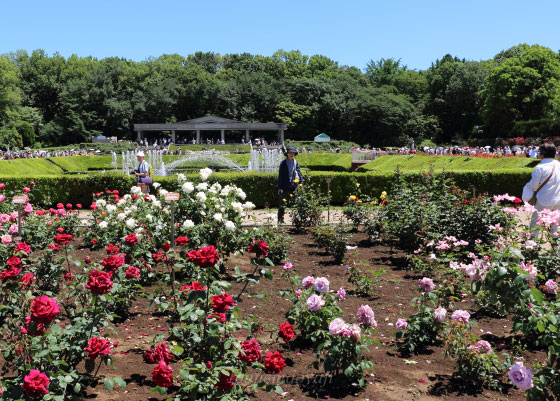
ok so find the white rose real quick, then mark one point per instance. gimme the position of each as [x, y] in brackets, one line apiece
[188, 224]
[240, 194]
[111, 208]
[187, 187]
[101, 203]
[103, 224]
[226, 190]
[127, 197]
[248, 205]
[218, 217]
[230, 225]
[139, 230]
[181, 177]
[121, 216]
[163, 191]
[216, 187]
[156, 203]
[152, 198]
[131, 223]
[133, 208]
[205, 173]
[203, 186]
[201, 196]
[149, 217]
[121, 202]
[156, 185]
[237, 207]
[135, 190]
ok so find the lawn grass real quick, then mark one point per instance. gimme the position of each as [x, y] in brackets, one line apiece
[448, 163]
[28, 167]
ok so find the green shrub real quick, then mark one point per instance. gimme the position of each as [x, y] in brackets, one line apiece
[333, 238]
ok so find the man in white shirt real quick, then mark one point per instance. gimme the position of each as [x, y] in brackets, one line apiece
[545, 181]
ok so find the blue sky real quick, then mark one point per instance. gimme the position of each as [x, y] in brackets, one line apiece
[350, 32]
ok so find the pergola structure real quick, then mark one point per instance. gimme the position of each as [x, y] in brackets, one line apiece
[211, 123]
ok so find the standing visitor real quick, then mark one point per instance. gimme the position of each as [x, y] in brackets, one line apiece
[289, 175]
[544, 184]
[142, 172]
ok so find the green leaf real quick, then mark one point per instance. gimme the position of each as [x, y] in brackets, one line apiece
[109, 383]
[90, 365]
[77, 387]
[120, 382]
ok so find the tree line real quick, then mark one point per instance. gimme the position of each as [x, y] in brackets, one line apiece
[51, 100]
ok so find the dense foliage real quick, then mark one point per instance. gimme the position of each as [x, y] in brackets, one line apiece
[52, 100]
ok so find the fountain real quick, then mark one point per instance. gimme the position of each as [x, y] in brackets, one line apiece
[265, 160]
[210, 157]
[114, 160]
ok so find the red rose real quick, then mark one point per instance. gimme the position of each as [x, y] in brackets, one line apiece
[33, 328]
[27, 279]
[131, 239]
[222, 302]
[465, 202]
[273, 362]
[35, 384]
[226, 383]
[59, 205]
[14, 261]
[69, 277]
[62, 239]
[78, 206]
[252, 351]
[220, 317]
[260, 248]
[93, 206]
[68, 206]
[159, 353]
[44, 309]
[97, 346]
[12, 273]
[166, 247]
[205, 257]
[132, 272]
[112, 263]
[87, 260]
[94, 242]
[112, 249]
[286, 331]
[22, 247]
[115, 192]
[194, 286]
[60, 229]
[162, 375]
[99, 282]
[159, 257]
[384, 202]
[182, 241]
[26, 189]
[54, 247]
[2, 186]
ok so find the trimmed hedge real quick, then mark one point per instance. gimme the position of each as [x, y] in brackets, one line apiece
[260, 187]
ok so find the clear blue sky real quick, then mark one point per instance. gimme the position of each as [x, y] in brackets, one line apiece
[350, 32]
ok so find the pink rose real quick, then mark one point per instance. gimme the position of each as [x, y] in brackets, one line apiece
[521, 376]
[426, 284]
[366, 316]
[341, 293]
[308, 282]
[461, 316]
[355, 332]
[481, 345]
[6, 239]
[322, 284]
[440, 314]
[401, 324]
[288, 266]
[35, 384]
[315, 302]
[551, 287]
[337, 327]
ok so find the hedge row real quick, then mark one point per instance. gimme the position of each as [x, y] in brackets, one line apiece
[260, 187]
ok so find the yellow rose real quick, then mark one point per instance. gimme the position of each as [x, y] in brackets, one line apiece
[284, 200]
[296, 180]
[291, 195]
[383, 195]
[352, 197]
[358, 184]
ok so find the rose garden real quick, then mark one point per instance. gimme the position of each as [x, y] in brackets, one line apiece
[423, 290]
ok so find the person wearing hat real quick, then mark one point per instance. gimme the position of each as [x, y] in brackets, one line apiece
[142, 172]
[289, 176]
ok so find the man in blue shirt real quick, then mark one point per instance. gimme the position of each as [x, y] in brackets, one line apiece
[289, 176]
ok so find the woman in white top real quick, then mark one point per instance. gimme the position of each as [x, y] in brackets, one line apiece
[142, 171]
[545, 181]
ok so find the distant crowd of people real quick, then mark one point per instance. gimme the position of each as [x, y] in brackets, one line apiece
[35, 154]
[165, 142]
[476, 151]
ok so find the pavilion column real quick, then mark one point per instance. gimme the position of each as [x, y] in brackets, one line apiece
[197, 136]
[247, 137]
[281, 135]
[223, 135]
[173, 137]
[139, 135]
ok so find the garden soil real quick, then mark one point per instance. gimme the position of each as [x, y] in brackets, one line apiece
[397, 377]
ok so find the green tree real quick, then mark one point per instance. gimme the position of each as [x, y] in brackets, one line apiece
[524, 86]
